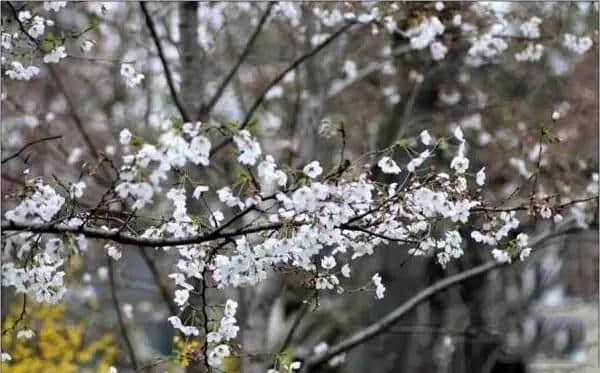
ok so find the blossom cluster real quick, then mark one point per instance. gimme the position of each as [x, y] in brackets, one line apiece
[306, 216]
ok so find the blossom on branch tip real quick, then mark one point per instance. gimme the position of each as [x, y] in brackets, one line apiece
[425, 138]
[76, 190]
[199, 190]
[388, 166]
[125, 137]
[379, 288]
[113, 252]
[18, 72]
[480, 177]
[55, 55]
[248, 147]
[54, 5]
[132, 78]
[186, 330]
[313, 169]
[578, 45]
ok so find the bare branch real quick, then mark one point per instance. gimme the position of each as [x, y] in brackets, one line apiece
[294, 327]
[122, 326]
[379, 327]
[165, 64]
[31, 143]
[158, 279]
[76, 118]
[280, 77]
[205, 111]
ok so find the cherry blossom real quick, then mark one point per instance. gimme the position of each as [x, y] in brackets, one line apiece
[480, 177]
[313, 169]
[56, 55]
[132, 78]
[578, 45]
[19, 72]
[54, 5]
[425, 138]
[388, 166]
[248, 147]
[425, 33]
[379, 288]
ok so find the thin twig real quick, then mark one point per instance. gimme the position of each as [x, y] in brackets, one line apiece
[165, 64]
[205, 111]
[122, 326]
[158, 279]
[295, 325]
[525, 207]
[280, 77]
[24, 147]
[205, 319]
[20, 318]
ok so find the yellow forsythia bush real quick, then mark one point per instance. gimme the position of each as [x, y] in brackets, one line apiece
[56, 347]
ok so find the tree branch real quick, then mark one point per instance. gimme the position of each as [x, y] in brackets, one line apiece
[219, 233]
[205, 111]
[165, 65]
[379, 327]
[294, 327]
[280, 77]
[76, 118]
[128, 239]
[31, 143]
[158, 279]
[122, 326]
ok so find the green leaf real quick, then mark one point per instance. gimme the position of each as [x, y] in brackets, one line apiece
[403, 143]
[95, 23]
[231, 125]
[137, 141]
[177, 125]
[49, 42]
[253, 123]
[549, 136]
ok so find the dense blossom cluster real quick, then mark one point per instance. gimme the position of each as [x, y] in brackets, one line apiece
[305, 216]
[339, 221]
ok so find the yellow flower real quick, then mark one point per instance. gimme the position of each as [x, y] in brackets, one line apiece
[57, 346]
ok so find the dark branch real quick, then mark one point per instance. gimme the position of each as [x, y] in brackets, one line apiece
[165, 64]
[128, 239]
[280, 77]
[158, 279]
[24, 147]
[122, 326]
[205, 111]
[381, 326]
[525, 207]
[295, 325]
[217, 234]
